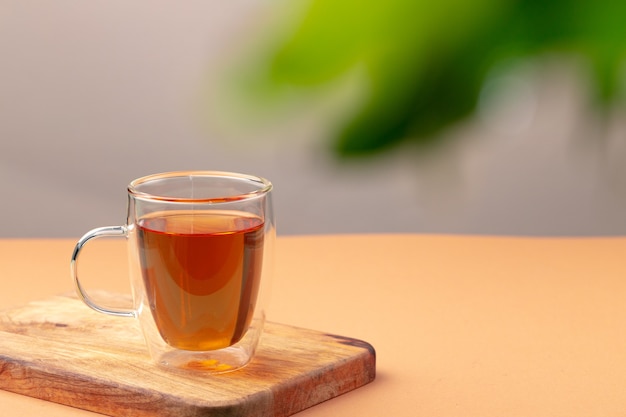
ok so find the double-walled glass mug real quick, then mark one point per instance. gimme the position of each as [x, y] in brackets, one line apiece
[200, 251]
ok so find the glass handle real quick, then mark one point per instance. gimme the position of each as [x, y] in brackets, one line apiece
[96, 233]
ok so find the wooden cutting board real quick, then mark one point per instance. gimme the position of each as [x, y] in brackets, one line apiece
[59, 350]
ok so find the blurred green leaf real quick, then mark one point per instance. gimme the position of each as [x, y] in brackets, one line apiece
[426, 62]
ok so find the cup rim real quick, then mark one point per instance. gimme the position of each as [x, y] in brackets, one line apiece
[265, 186]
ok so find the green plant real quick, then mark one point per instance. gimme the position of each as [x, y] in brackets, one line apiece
[425, 62]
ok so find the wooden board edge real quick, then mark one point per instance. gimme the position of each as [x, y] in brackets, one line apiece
[353, 373]
[37, 379]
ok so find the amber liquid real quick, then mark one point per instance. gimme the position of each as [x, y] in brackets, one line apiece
[201, 271]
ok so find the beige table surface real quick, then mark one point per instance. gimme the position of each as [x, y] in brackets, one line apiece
[462, 326]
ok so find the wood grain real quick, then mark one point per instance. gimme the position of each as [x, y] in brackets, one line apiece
[59, 350]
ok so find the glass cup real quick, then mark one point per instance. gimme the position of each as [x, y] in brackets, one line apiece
[200, 252]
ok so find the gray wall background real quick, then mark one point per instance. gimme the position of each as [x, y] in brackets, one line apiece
[94, 94]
